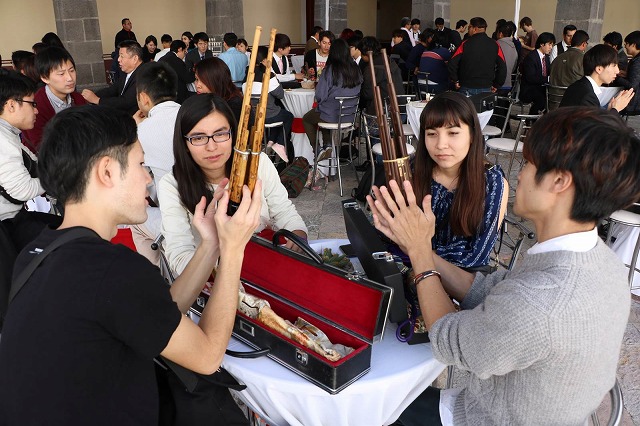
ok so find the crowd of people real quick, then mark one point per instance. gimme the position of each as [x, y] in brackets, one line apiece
[154, 151]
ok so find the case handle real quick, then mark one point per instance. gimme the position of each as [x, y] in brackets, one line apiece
[299, 242]
[249, 354]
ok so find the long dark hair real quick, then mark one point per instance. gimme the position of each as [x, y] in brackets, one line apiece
[342, 66]
[192, 184]
[447, 109]
[215, 74]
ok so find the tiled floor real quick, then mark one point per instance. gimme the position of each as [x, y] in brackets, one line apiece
[322, 212]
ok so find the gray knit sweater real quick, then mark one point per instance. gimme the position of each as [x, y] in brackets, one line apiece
[541, 342]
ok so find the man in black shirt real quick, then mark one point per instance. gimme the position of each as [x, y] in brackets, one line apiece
[125, 33]
[79, 338]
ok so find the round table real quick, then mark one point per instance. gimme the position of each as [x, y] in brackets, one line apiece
[299, 102]
[399, 373]
[414, 110]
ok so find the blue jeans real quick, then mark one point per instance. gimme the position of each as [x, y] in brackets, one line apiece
[470, 92]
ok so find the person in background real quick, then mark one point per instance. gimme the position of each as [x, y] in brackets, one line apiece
[166, 40]
[150, 49]
[123, 35]
[529, 39]
[505, 40]
[341, 77]
[535, 69]
[235, 60]
[400, 51]
[356, 54]
[175, 60]
[314, 40]
[499, 23]
[516, 330]
[367, 100]
[567, 34]
[567, 68]
[415, 28]
[213, 76]
[187, 38]
[632, 78]
[52, 39]
[614, 39]
[317, 58]
[434, 61]
[201, 52]
[19, 180]
[243, 47]
[203, 144]
[280, 64]
[57, 70]
[346, 34]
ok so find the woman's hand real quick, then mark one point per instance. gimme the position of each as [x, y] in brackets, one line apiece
[401, 220]
[235, 231]
[203, 216]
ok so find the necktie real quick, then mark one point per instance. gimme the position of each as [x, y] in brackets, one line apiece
[280, 65]
[201, 57]
[544, 66]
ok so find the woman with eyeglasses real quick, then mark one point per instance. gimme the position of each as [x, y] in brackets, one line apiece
[203, 144]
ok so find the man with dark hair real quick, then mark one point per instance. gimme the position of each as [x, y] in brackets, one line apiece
[58, 71]
[314, 39]
[175, 60]
[461, 27]
[451, 39]
[600, 67]
[166, 40]
[280, 64]
[614, 39]
[235, 60]
[125, 33]
[122, 94]
[415, 29]
[478, 65]
[355, 52]
[18, 177]
[400, 51]
[567, 68]
[201, 40]
[317, 58]
[81, 334]
[156, 119]
[19, 58]
[631, 79]
[567, 34]
[535, 68]
[525, 336]
[505, 40]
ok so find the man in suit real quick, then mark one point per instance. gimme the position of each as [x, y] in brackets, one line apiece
[601, 67]
[122, 94]
[280, 63]
[175, 60]
[565, 43]
[536, 68]
[567, 68]
[314, 40]
[202, 52]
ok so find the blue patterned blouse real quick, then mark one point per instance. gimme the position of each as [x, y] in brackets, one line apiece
[467, 252]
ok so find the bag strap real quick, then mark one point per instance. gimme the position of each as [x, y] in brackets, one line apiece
[68, 236]
[31, 167]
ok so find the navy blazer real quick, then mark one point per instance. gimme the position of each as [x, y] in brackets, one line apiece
[580, 93]
[185, 76]
[119, 96]
[531, 69]
[193, 58]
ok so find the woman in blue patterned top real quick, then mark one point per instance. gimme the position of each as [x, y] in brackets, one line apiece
[469, 198]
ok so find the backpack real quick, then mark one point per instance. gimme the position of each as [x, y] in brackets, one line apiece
[294, 176]
[364, 187]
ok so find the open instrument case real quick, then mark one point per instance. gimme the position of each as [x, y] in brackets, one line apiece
[348, 308]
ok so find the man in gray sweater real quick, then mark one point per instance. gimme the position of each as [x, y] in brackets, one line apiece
[541, 342]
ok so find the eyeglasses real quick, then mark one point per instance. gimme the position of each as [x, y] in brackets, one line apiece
[33, 103]
[199, 140]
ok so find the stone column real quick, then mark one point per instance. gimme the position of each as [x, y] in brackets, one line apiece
[428, 10]
[78, 27]
[587, 15]
[337, 15]
[223, 17]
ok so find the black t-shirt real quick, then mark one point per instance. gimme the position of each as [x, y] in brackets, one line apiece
[79, 339]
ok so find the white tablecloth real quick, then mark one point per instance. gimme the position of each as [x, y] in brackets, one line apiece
[299, 102]
[399, 373]
[414, 110]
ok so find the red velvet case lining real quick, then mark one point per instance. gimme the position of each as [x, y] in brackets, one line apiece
[353, 305]
[291, 313]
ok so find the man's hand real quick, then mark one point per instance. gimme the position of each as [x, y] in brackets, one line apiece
[402, 220]
[293, 246]
[90, 96]
[139, 117]
[235, 231]
[494, 89]
[621, 101]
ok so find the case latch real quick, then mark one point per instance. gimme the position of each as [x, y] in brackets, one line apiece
[382, 255]
[354, 276]
[302, 357]
[352, 205]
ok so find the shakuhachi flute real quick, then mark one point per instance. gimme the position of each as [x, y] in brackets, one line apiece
[244, 158]
[394, 151]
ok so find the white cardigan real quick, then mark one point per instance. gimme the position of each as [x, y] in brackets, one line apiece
[181, 239]
[14, 176]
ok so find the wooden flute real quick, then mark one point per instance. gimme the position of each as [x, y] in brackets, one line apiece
[244, 169]
[394, 151]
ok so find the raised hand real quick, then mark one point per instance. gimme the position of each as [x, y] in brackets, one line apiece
[235, 231]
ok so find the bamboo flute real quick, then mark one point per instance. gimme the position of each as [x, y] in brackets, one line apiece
[244, 169]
